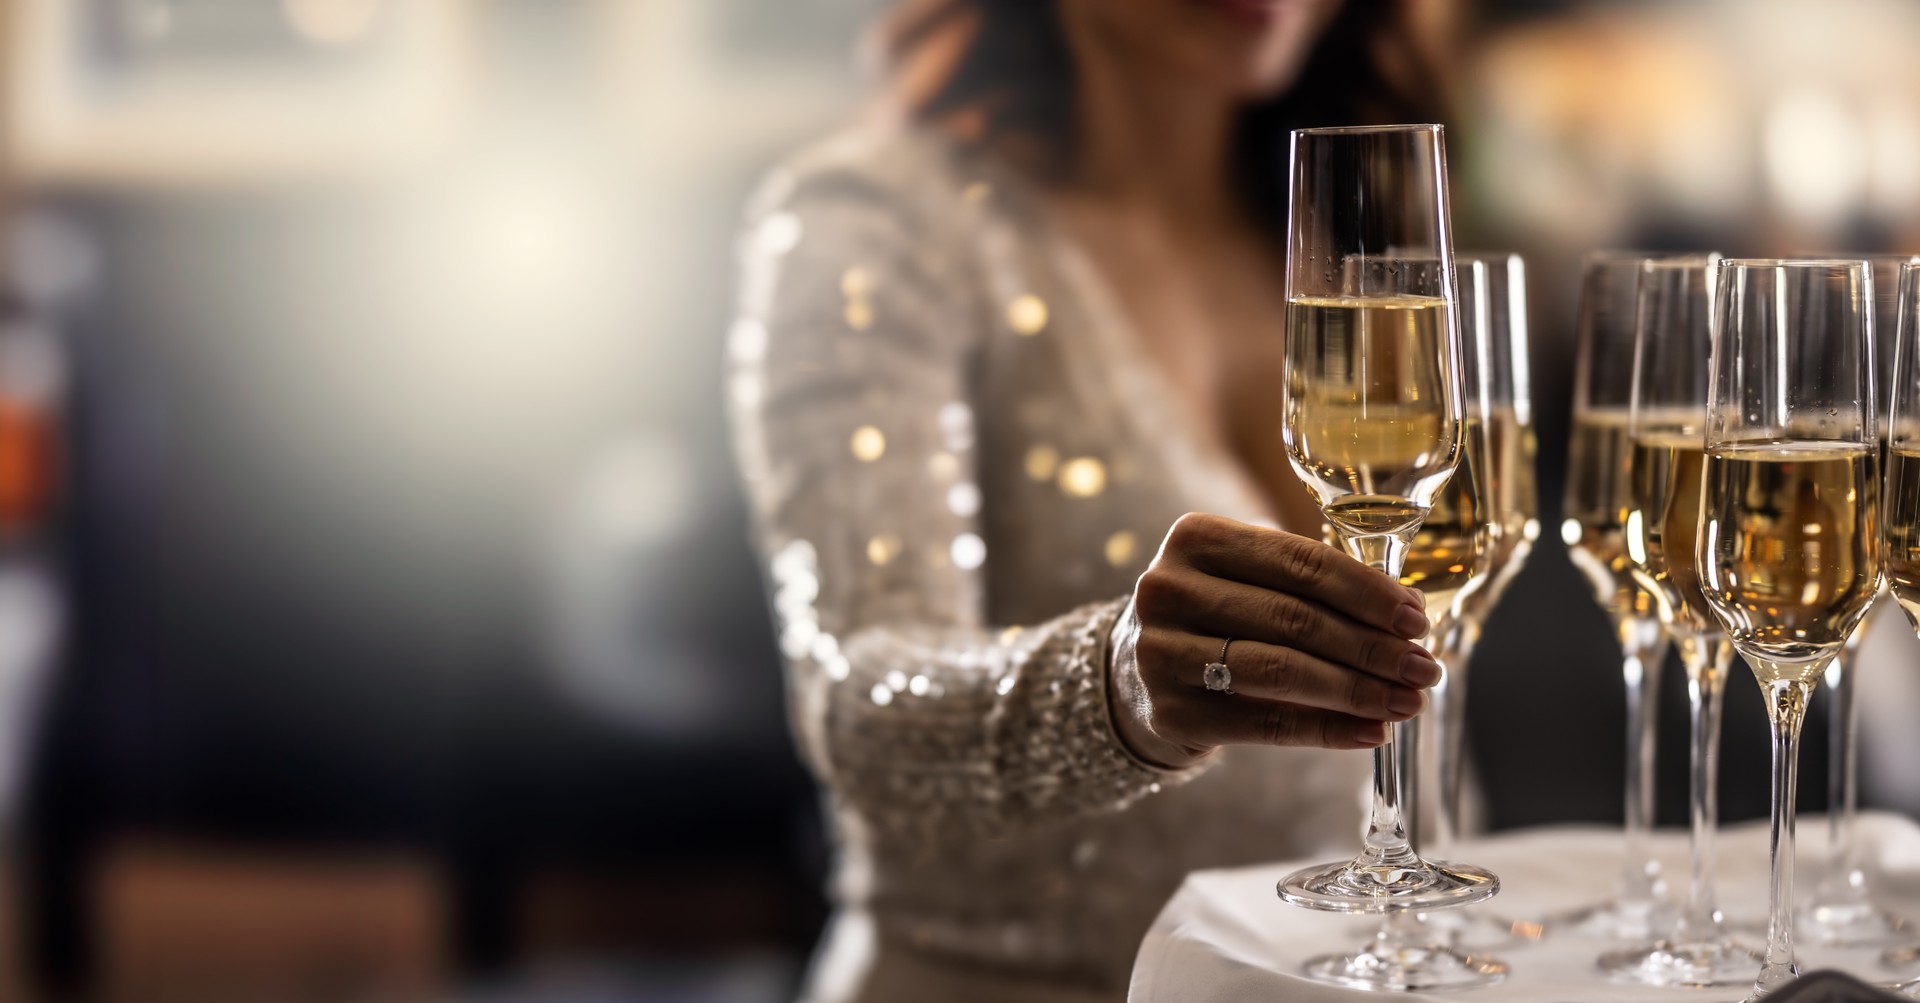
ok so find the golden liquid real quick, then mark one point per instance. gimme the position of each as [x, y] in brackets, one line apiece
[1375, 515]
[1790, 556]
[1368, 425]
[1902, 507]
[1667, 467]
[1515, 507]
[1448, 550]
[1599, 500]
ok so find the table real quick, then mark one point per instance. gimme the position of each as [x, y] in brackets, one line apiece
[1225, 936]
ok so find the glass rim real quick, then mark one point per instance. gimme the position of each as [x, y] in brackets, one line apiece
[1362, 130]
[1876, 256]
[1629, 258]
[1794, 263]
[1609, 256]
[1767, 438]
[1705, 260]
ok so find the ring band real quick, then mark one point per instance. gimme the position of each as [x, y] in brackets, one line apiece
[1216, 675]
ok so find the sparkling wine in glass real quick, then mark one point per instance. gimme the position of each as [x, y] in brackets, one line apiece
[1597, 504]
[1841, 911]
[1902, 523]
[1499, 460]
[1789, 537]
[1374, 422]
[1666, 467]
[1479, 533]
[1502, 309]
[1445, 563]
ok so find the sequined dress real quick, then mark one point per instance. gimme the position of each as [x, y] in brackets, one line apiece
[958, 464]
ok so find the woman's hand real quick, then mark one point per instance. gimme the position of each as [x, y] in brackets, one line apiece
[1322, 649]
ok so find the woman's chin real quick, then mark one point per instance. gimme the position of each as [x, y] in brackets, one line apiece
[1251, 13]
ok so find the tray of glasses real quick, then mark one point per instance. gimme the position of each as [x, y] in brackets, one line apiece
[1224, 936]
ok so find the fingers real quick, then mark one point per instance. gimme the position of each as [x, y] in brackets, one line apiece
[1285, 562]
[1210, 719]
[1323, 654]
[1271, 672]
[1191, 601]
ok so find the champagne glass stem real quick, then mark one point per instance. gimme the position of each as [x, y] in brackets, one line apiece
[1708, 659]
[1401, 931]
[1643, 647]
[1787, 711]
[1448, 712]
[1386, 839]
[1406, 767]
[1843, 775]
[1696, 952]
[1443, 699]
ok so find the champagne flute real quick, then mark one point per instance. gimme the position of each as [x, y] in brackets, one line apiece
[1493, 302]
[1443, 561]
[1841, 913]
[1902, 502]
[1789, 541]
[1482, 528]
[1597, 502]
[1374, 417]
[1667, 429]
[1903, 453]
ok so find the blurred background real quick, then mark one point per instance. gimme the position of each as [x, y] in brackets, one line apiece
[376, 613]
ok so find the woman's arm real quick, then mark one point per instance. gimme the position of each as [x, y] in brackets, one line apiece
[850, 391]
[850, 387]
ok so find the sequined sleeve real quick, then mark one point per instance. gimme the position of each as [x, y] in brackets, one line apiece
[849, 384]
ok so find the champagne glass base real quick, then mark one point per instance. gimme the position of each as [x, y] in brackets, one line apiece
[1357, 887]
[1630, 921]
[1406, 969]
[1695, 965]
[1904, 986]
[1898, 987]
[1478, 930]
[1855, 923]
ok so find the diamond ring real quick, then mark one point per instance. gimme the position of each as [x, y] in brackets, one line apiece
[1216, 675]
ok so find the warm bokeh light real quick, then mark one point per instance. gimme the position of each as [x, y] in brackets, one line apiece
[1083, 477]
[1027, 315]
[868, 444]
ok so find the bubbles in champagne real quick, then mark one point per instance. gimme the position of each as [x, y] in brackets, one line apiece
[1599, 499]
[1667, 467]
[1370, 412]
[1903, 530]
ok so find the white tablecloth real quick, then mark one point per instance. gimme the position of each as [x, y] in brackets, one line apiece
[1225, 936]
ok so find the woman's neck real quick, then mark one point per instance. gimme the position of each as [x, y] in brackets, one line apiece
[1153, 143]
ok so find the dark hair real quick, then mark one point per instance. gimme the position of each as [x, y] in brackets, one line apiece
[998, 74]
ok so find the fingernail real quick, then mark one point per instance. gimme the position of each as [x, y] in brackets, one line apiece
[1410, 622]
[1418, 669]
[1371, 734]
[1404, 702]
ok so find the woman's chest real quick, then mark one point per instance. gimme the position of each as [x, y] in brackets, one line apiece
[1217, 337]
